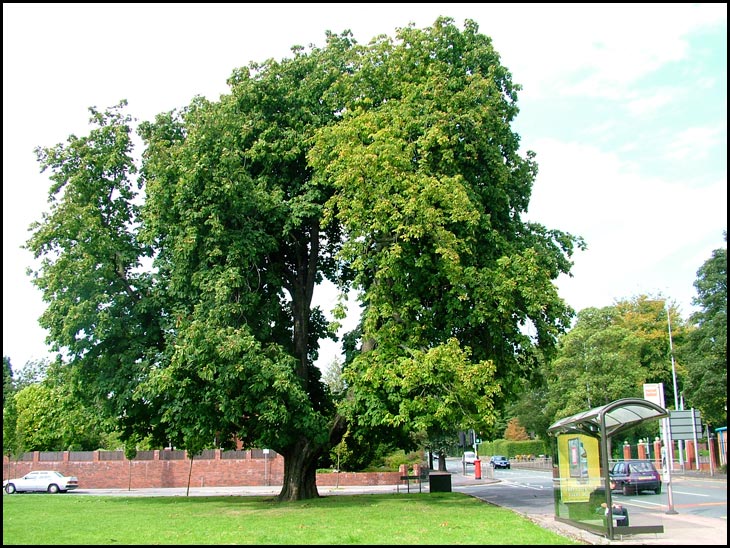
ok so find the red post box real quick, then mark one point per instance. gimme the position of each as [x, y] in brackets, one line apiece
[477, 469]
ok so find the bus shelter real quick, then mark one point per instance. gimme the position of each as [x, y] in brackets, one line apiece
[580, 479]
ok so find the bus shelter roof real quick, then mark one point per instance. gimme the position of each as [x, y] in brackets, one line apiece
[614, 417]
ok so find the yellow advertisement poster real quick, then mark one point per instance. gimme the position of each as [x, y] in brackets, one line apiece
[579, 465]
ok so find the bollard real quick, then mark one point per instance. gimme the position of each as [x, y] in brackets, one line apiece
[477, 469]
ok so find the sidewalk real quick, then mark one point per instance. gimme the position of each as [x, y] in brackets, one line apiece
[680, 529]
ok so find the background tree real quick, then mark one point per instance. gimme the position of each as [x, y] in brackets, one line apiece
[705, 352]
[439, 444]
[609, 354]
[49, 416]
[333, 377]
[33, 372]
[8, 386]
[14, 382]
[515, 431]
[389, 169]
[529, 408]
[10, 415]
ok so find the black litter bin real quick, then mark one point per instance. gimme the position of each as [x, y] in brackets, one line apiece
[440, 482]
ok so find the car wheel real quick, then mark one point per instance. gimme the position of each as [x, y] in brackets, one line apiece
[626, 489]
[10, 488]
[658, 490]
[53, 488]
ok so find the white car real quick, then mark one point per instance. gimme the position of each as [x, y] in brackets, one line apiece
[49, 481]
[469, 457]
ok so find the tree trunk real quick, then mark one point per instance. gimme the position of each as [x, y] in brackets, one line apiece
[300, 464]
[300, 473]
[442, 461]
[302, 457]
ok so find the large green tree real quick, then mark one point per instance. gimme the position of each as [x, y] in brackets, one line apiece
[705, 352]
[390, 169]
[236, 214]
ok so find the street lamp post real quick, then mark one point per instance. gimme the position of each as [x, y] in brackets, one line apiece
[671, 356]
[674, 382]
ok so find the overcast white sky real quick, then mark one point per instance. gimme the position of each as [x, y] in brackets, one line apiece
[624, 104]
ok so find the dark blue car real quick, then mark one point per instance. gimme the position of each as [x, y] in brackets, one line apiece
[499, 461]
[631, 477]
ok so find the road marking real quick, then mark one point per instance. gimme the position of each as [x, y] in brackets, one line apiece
[640, 504]
[649, 505]
[525, 485]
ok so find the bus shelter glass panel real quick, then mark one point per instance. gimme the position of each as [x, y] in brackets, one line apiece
[579, 486]
[581, 498]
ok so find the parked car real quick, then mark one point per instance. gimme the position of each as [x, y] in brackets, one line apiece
[499, 461]
[469, 457]
[634, 476]
[49, 481]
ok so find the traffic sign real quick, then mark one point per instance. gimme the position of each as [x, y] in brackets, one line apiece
[685, 424]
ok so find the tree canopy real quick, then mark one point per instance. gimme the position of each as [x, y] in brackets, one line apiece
[42, 413]
[181, 290]
[609, 354]
[706, 352]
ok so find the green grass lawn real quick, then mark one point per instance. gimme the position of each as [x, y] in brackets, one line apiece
[428, 518]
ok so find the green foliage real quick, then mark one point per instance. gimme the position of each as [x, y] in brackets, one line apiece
[394, 460]
[609, 354]
[10, 414]
[49, 417]
[430, 189]
[355, 455]
[103, 308]
[333, 377]
[359, 455]
[339, 454]
[512, 448]
[441, 441]
[705, 351]
[530, 409]
[8, 384]
[12, 445]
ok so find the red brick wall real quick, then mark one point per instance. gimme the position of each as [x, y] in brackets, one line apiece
[212, 472]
